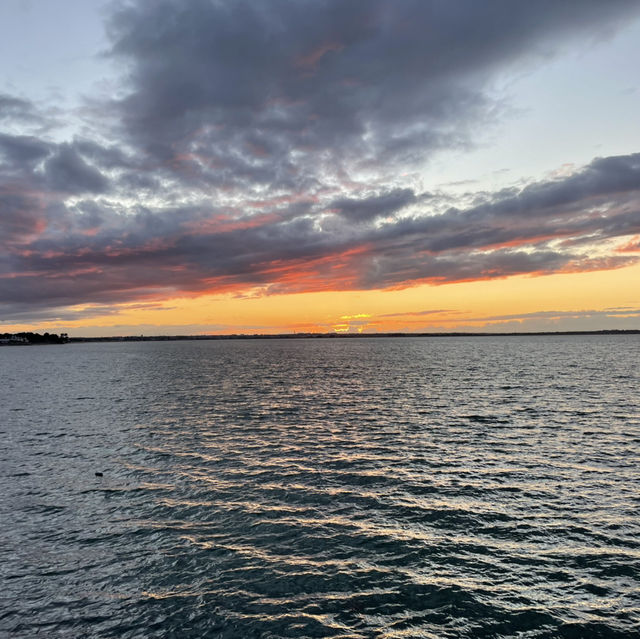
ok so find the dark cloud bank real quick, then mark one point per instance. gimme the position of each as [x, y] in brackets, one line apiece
[258, 147]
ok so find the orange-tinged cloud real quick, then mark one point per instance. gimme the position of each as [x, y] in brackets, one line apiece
[632, 246]
[225, 223]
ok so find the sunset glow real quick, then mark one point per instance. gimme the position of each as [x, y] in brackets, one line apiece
[376, 171]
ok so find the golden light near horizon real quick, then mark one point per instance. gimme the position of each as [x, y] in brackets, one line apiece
[424, 308]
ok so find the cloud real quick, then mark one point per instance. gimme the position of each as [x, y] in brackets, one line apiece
[264, 148]
[94, 252]
[557, 315]
[436, 311]
[22, 152]
[551, 321]
[15, 109]
[21, 216]
[68, 172]
[288, 91]
[61, 167]
[369, 208]
[632, 246]
[623, 318]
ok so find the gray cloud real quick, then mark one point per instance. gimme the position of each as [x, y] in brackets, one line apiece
[22, 152]
[600, 201]
[366, 209]
[285, 91]
[13, 108]
[20, 217]
[44, 165]
[260, 147]
[104, 254]
[67, 171]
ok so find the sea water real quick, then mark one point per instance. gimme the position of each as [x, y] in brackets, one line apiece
[374, 487]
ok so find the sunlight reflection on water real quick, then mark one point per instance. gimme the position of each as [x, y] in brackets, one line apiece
[312, 488]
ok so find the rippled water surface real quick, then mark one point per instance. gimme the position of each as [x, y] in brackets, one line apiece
[418, 487]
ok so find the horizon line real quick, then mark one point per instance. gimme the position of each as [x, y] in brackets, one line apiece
[333, 335]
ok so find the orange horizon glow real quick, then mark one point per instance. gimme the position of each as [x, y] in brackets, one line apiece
[577, 299]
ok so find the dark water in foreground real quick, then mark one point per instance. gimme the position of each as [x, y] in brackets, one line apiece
[467, 487]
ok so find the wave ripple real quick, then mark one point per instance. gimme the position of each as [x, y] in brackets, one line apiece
[483, 487]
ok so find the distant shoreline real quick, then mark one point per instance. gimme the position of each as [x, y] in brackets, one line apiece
[171, 338]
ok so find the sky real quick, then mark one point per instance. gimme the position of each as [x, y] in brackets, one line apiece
[223, 166]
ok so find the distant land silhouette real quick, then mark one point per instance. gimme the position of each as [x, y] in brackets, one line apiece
[162, 338]
[29, 338]
[26, 338]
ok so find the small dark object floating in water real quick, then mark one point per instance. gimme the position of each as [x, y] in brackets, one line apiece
[99, 475]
